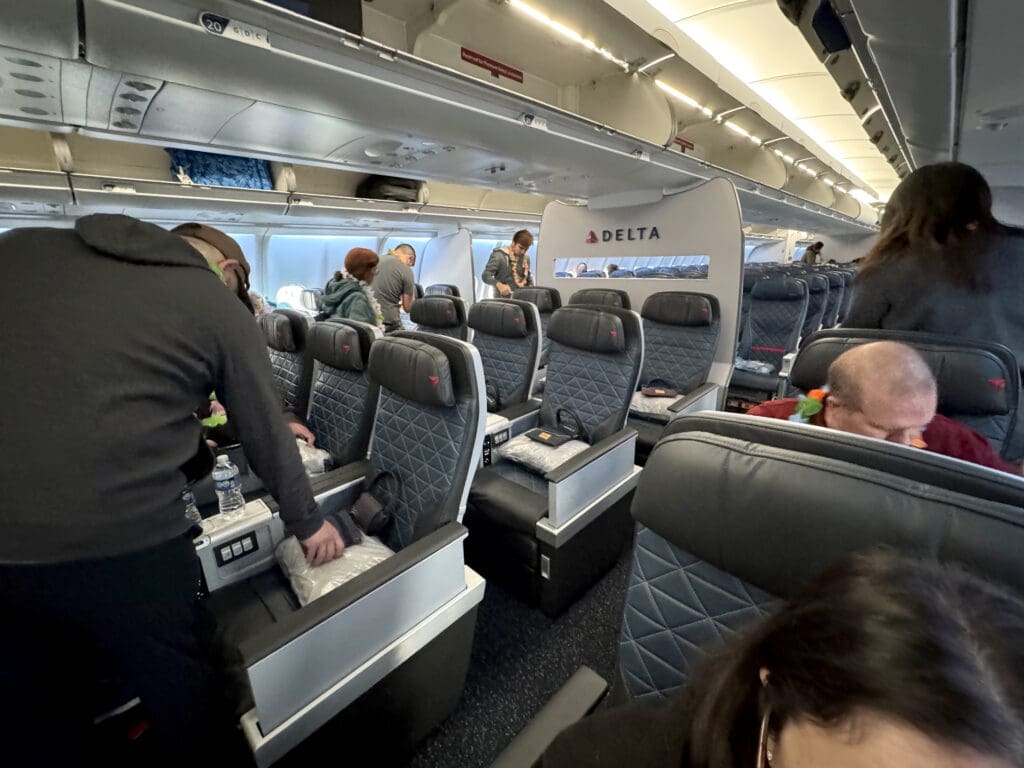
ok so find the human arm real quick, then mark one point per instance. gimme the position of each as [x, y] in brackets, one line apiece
[244, 384]
[951, 438]
[408, 288]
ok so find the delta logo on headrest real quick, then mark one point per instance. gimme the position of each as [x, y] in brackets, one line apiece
[997, 384]
[625, 234]
[447, 313]
[346, 347]
[434, 381]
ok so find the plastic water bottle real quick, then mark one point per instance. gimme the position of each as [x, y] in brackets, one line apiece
[191, 510]
[229, 489]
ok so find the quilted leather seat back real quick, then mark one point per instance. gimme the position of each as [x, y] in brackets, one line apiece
[507, 334]
[342, 402]
[736, 512]
[836, 288]
[442, 289]
[679, 339]
[547, 300]
[595, 386]
[750, 277]
[440, 314]
[778, 307]
[605, 297]
[431, 448]
[285, 332]
[844, 305]
[817, 298]
[978, 380]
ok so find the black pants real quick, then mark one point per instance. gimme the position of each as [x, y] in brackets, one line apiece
[389, 327]
[136, 617]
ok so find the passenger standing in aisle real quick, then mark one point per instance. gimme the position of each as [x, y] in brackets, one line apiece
[395, 285]
[813, 253]
[97, 566]
[349, 295]
[509, 266]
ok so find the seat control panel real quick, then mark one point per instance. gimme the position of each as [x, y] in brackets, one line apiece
[492, 441]
[230, 551]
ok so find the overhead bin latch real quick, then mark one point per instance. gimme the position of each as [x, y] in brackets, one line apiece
[642, 154]
[532, 121]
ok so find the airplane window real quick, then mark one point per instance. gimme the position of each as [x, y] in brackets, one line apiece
[668, 267]
[307, 260]
[248, 245]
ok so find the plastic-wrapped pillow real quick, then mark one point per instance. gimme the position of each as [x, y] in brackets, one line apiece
[655, 408]
[538, 457]
[754, 366]
[315, 460]
[310, 582]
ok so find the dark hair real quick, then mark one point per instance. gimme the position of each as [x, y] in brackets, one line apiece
[940, 213]
[407, 247]
[929, 645]
[819, 245]
[523, 238]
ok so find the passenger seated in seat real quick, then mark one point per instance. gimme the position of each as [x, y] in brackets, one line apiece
[887, 391]
[349, 295]
[509, 266]
[395, 285]
[227, 260]
[882, 662]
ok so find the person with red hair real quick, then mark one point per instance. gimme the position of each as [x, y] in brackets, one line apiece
[348, 293]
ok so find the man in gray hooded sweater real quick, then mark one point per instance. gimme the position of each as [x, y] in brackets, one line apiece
[99, 383]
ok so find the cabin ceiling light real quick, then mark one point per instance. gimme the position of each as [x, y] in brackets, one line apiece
[568, 33]
[680, 96]
[740, 131]
[864, 197]
[656, 62]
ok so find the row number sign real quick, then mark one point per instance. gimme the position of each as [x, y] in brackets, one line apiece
[234, 30]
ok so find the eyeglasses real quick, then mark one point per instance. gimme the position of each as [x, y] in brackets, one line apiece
[764, 757]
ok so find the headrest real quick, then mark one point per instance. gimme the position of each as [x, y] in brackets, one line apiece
[974, 377]
[419, 291]
[588, 329]
[750, 278]
[546, 299]
[608, 297]
[443, 289]
[284, 330]
[815, 283]
[438, 312]
[805, 496]
[412, 369]
[338, 346]
[835, 279]
[679, 308]
[499, 318]
[778, 289]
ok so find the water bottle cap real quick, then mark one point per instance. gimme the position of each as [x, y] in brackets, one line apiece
[223, 459]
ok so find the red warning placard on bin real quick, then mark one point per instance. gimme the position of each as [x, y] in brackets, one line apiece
[492, 66]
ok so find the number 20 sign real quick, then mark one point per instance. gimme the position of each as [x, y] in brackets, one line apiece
[234, 30]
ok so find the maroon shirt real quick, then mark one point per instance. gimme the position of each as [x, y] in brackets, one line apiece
[943, 436]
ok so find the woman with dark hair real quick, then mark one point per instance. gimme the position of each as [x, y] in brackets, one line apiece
[942, 263]
[882, 661]
[348, 293]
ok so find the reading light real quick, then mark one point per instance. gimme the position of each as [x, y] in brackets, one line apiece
[566, 32]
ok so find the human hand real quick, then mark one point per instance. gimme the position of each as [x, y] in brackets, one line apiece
[302, 432]
[503, 290]
[324, 545]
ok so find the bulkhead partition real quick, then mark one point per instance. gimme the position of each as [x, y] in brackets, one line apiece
[449, 259]
[699, 228]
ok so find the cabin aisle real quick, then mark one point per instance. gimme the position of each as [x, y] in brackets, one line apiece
[520, 659]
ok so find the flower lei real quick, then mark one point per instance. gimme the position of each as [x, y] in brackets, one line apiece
[370, 296]
[809, 406]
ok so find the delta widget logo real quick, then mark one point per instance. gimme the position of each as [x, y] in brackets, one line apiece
[592, 237]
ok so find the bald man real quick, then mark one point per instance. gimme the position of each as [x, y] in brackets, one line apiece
[886, 390]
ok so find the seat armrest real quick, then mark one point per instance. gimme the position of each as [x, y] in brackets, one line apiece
[264, 643]
[517, 411]
[590, 455]
[573, 701]
[784, 371]
[698, 400]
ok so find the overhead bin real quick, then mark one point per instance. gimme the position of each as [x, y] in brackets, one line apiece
[23, 187]
[181, 201]
[46, 27]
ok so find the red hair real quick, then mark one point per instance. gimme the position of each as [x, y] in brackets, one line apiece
[360, 262]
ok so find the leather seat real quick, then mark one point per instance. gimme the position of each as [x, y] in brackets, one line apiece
[342, 403]
[817, 300]
[844, 306]
[547, 300]
[778, 308]
[443, 315]
[389, 647]
[836, 288]
[978, 381]
[737, 513]
[507, 334]
[606, 297]
[442, 289]
[680, 337]
[285, 331]
[528, 529]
